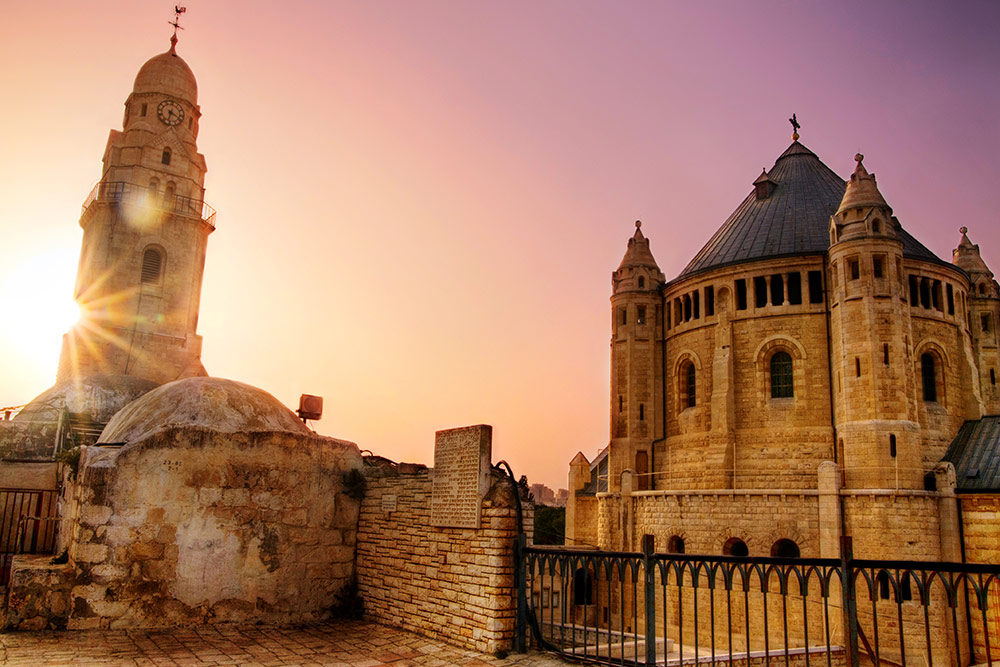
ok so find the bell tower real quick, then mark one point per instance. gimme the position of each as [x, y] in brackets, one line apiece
[145, 233]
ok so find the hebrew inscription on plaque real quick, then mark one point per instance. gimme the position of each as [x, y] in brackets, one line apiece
[462, 458]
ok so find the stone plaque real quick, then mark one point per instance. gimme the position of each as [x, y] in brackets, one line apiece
[462, 458]
[388, 503]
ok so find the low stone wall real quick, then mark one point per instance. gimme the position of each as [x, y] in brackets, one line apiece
[195, 526]
[454, 584]
[38, 594]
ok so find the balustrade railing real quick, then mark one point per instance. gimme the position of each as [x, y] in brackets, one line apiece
[670, 609]
[122, 192]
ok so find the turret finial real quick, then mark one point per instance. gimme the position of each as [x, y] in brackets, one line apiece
[638, 224]
[858, 157]
[963, 230]
[795, 127]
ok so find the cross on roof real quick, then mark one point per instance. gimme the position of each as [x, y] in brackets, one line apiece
[178, 10]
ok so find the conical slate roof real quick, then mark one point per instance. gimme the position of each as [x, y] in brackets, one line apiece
[793, 220]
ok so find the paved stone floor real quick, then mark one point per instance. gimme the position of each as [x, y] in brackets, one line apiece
[340, 643]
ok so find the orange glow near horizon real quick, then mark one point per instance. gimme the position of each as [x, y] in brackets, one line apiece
[420, 204]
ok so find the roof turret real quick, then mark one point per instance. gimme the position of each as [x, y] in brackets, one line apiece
[861, 190]
[638, 253]
[966, 256]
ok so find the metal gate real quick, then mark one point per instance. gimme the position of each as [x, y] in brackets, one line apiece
[27, 525]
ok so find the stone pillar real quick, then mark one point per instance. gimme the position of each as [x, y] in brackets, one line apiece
[625, 509]
[951, 544]
[785, 295]
[579, 475]
[829, 510]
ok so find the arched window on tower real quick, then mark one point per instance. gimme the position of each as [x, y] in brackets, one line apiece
[928, 377]
[168, 195]
[675, 545]
[152, 267]
[165, 158]
[781, 375]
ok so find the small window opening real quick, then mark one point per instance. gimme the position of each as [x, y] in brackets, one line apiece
[777, 290]
[857, 367]
[696, 303]
[642, 412]
[142, 112]
[678, 311]
[925, 293]
[687, 307]
[936, 299]
[734, 546]
[984, 319]
[885, 353]
[928, 376]
[815, 287]
[709, 301]
[877, 264]
[882, 580]
[621, 403]
[741, 294]
[583, 587]
[892, 445]
[690, 381]
[760, 292]
[642, 282]
[675, 545]
[640, 315]
[914, 292]
[854, 266]
[982, 288]
[993, 377]
[165, 158]
[623, 315]
[876, 227]
[795, 288]
[950, 293]
[785, 548]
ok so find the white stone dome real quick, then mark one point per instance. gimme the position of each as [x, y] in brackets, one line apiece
[215, 404]
[168, 74]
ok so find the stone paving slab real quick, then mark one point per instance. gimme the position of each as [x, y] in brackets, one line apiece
[332, 644]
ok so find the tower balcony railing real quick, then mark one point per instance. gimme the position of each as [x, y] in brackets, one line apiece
[130, 193]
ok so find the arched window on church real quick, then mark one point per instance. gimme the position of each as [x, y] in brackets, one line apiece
[690, 385]
[928, 377]
[781, 375]
[675, 545]
[154, 186]
[168, 195]
[152, 267]
[785, 548]
[734, 546]
[165, 158]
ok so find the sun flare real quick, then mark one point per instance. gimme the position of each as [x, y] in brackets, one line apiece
[38, 304]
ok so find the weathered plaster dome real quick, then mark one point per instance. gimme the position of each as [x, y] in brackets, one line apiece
[99, 396]
[167, 73]
[220, 405]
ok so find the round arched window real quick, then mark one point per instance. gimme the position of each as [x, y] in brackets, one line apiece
[152, 266]
[784, 548]
[675, 545]
[734, 546]
[781, 375]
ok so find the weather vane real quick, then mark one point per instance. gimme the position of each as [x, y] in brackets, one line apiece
[178, 10]
[795, 127]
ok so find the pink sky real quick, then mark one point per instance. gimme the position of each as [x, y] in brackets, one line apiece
[421, 203]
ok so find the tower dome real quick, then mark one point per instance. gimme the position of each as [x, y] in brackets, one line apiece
[167, 74]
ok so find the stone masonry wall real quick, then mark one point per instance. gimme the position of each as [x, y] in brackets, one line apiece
[455, 584]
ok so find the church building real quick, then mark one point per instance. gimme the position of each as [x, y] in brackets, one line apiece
[813, 372]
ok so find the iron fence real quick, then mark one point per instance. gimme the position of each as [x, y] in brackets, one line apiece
[670, 609]
[130, 193]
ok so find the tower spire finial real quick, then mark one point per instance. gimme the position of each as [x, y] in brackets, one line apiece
[178, 10]
[795, 127]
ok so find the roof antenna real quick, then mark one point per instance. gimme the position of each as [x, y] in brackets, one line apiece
[178, 10]
[795, 127]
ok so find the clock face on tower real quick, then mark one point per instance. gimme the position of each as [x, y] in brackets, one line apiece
[170, 112]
